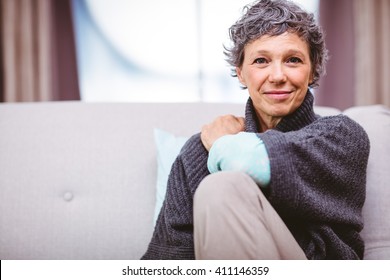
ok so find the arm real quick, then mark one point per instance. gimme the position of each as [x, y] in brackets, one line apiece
[317, 161]
[317, 183]
[172, 237]
[318, 177]
[232, 149]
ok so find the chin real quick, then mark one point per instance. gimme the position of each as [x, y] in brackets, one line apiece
[280, 111]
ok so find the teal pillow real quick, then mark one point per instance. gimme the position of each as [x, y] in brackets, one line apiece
[168, 147]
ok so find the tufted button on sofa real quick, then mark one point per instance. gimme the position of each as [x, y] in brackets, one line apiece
[78, 180]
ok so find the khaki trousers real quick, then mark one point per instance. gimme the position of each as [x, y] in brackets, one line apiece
[233, 220]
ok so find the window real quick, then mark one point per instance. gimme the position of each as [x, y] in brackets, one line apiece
[157, 51]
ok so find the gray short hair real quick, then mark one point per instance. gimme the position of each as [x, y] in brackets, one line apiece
[267, 17]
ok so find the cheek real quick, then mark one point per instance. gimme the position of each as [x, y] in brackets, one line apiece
[301, 78]
[256, 79]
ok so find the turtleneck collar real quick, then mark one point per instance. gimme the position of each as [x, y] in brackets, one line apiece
[300, 118]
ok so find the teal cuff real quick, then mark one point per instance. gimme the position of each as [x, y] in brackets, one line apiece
[243, 152]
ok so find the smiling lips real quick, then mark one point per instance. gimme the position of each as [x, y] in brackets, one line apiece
[279, 95]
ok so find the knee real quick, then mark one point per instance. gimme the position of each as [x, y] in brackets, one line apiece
[221, 186]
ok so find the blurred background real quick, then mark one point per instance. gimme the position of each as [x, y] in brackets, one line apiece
[172, 51]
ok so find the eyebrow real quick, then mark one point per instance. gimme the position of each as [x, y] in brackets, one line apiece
[266, 52]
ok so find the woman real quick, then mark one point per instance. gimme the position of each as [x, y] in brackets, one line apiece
[285, 183]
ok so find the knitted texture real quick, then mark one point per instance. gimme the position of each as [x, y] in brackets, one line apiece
[243, 152]
[318, 178]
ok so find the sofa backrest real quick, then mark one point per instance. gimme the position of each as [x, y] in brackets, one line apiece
[78, 180]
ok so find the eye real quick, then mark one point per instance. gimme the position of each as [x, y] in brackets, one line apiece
[260, 60]
[294, 60]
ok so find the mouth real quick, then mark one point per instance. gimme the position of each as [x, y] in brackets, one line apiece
[278, 92]
[278, 95]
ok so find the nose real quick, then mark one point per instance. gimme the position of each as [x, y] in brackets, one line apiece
[277, 74]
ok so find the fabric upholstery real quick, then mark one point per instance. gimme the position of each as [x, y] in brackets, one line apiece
[78, 180]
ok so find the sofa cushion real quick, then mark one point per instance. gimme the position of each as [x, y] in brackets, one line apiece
[168, 147]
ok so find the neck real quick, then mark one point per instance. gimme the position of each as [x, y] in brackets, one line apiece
[296, 120]
[267, 122]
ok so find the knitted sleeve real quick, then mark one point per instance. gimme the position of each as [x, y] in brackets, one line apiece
[173, 234]
[243, 152]
[318, 177]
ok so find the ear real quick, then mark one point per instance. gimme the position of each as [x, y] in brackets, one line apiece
[240, 77]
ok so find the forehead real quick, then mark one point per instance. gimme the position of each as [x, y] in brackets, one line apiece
[278, 44]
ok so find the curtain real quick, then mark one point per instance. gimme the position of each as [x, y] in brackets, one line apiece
[38, 57]
[358, 39]
[336, 88]
[372, 31]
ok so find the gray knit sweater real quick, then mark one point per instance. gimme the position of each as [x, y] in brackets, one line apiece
[318, 178]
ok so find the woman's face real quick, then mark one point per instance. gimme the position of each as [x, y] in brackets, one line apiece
[277, 72]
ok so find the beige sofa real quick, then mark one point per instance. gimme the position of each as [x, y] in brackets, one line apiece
[78, 180]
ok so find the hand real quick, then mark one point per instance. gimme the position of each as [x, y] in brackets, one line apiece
[221, 126]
